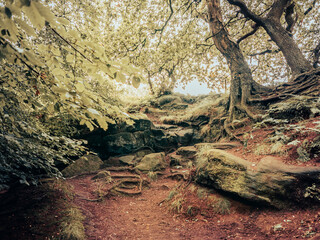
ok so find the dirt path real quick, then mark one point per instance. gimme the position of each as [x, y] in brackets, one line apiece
[135, 217]
[141, 217]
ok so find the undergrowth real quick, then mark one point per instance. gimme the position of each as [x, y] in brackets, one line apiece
[71, 219]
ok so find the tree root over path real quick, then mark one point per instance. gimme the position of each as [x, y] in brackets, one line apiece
[118, 188]
[121, 186]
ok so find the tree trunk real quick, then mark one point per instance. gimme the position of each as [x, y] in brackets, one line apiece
[150, 84]
[241, 77]
[172, 83]
[282, 37]
[290, 50]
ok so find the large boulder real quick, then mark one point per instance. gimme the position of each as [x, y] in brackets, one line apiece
[85, 164]
[152, 162]
[270, 182]
[123, 142]
[123, 139]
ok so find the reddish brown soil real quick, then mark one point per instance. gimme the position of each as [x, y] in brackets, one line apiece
[147, 216]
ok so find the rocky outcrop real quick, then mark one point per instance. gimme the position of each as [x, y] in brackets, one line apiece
[85, 164]
[126, 139]
[295, 109]
[184, 156]
[270, 182]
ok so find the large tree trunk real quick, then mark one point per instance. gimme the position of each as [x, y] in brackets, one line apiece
[294, 57]
[241, 77]
[281, 36]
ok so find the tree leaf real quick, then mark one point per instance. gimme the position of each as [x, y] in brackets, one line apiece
[136, 81]
[121, 77]
[102, 123]
[89, 125]
[80, 87]
[70, 58]
[34, 16]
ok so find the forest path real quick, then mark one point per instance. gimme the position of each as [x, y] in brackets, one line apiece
[137, 217]
[141, 217]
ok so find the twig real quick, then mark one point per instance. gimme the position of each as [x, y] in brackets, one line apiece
[66, 41]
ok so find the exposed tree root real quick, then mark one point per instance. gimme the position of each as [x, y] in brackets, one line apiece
[118, 169]
[230, 133]
[127, 192]
[307, 83]
[222, 146]
[111, 169]
[120, 187]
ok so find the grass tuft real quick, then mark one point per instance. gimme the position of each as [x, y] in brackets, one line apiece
[221, 206]
[152, 175]
[72, 227]
[176, 205]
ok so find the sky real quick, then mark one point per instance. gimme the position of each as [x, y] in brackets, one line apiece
[193, 88]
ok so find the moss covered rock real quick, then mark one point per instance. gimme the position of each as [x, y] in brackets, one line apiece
[85, 164]
[152, 162]
[270, 182]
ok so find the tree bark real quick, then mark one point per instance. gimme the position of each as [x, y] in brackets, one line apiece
[272, 25]
[241, 77]
[150, 84]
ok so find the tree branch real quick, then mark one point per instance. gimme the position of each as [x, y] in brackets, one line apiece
[254, 30]
[264, 52]
[311, 7]
[246, 11]
[166, 23]
[204, 45]
[291, 21]
[277, 9]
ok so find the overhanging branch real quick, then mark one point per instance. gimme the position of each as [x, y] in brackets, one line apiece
[264, 52]
[246, 11]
